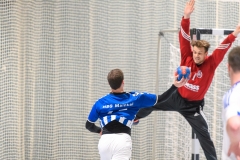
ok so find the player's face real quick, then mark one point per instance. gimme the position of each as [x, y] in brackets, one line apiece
[199, 55]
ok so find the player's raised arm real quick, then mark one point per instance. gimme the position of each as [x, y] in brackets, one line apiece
[221, 50]
[184, 37]
[189, 9]
[237, 30]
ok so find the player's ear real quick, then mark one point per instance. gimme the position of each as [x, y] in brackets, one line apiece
[228, 67]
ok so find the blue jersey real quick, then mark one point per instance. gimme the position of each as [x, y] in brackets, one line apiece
[120, 107]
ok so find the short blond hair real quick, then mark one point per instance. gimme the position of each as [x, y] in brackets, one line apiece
[200, 44]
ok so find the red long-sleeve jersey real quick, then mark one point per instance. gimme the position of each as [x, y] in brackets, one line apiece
[201, 75]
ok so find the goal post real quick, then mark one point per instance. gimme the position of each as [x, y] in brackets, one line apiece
[196, 34]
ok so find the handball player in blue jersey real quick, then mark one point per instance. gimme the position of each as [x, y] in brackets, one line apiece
[116, 112]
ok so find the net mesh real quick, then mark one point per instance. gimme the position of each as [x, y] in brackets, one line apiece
[54, 59]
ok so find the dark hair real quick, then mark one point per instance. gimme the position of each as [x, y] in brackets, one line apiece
[201, 43]
[115, 78]
[234, 59]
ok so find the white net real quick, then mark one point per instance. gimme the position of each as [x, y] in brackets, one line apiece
[180, 133]
[54, 58]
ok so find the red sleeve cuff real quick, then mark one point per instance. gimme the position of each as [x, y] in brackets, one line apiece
[187, 20]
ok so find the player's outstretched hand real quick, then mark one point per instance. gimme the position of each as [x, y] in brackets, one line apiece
[189, 8]
[237, 30]
[180, 83]
[136, 121]
[234, 148]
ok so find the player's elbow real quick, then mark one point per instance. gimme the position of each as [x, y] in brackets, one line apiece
[92, 127]
[88, 125]
[233, 124]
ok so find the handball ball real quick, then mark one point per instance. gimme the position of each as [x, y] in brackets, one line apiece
[183, 71]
